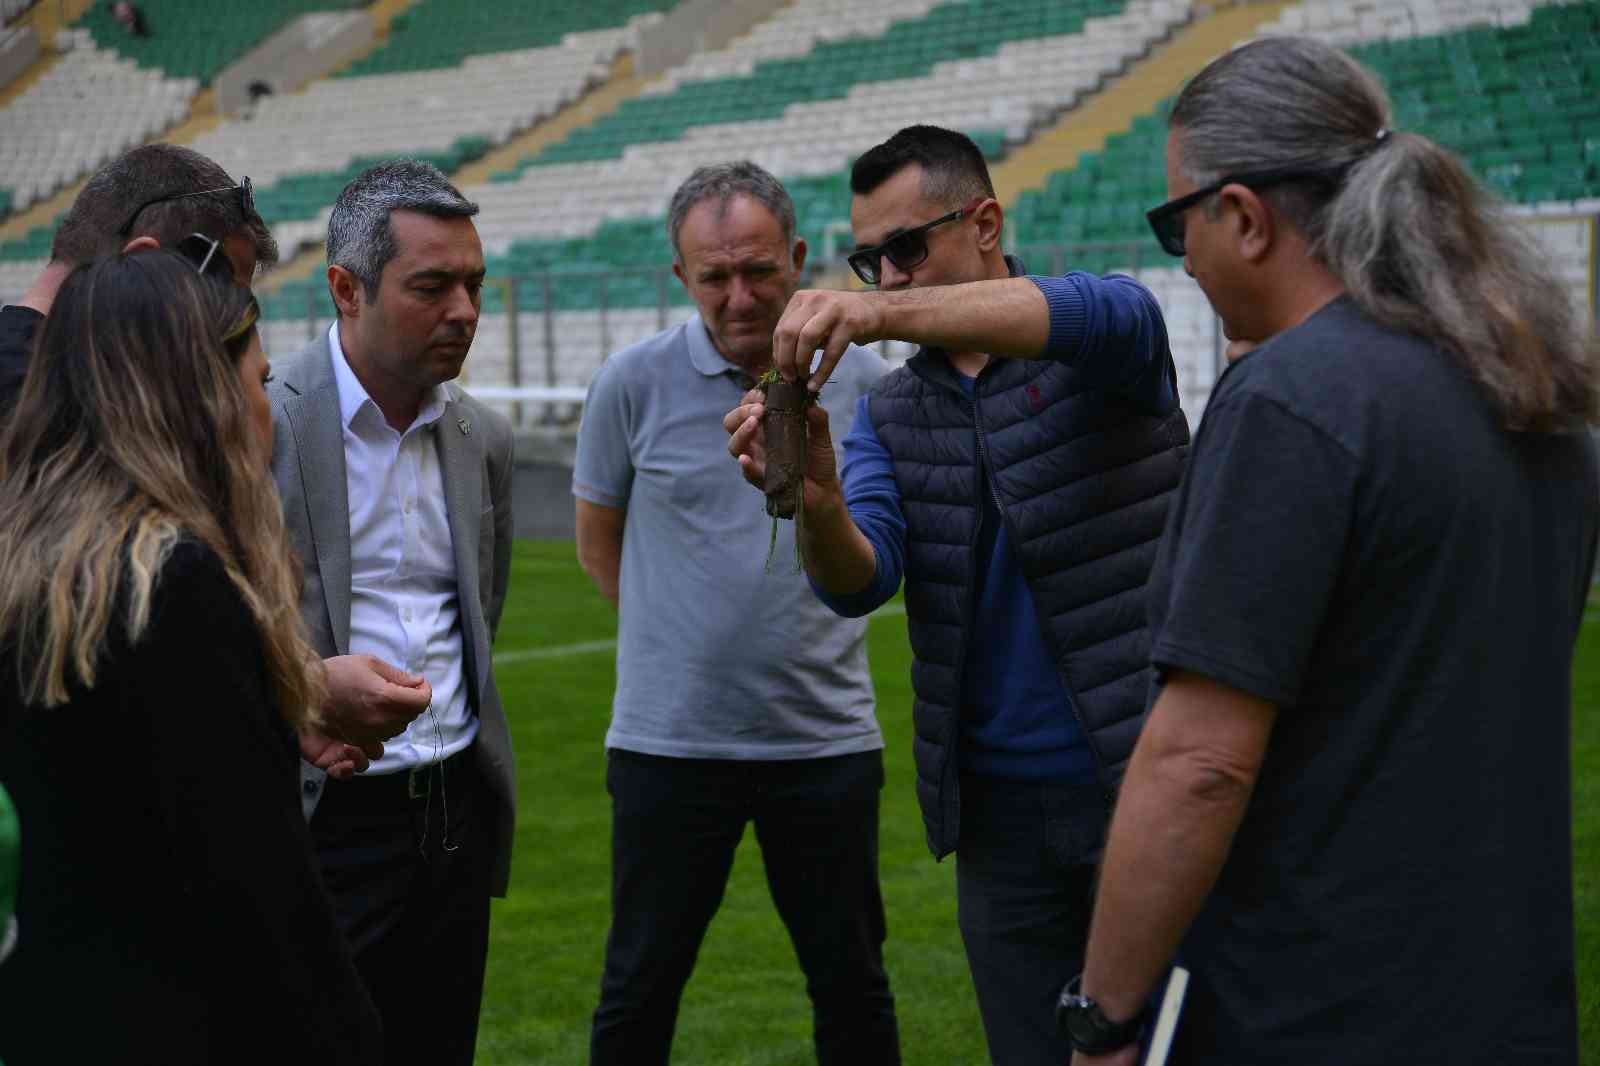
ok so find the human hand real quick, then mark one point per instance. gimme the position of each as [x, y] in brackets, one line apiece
[747, 442]
[825, 319]
[370, 701]
[334, 757]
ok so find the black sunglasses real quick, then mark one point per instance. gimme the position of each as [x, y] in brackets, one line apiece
[906, 250]
[247, 202]
[1167, 220]
[207, 255]
[210, 260]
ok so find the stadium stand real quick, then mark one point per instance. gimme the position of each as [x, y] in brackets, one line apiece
[12, 10]
[1521, 103]
[197, 38]
[90, 107]
[808, 115]
[316, 140]
[436, 34]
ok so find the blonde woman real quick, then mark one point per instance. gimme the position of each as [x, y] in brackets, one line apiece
[152, 678]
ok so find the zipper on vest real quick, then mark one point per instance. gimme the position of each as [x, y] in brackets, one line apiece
[986, 471]
[1016, 545]
[950, 790]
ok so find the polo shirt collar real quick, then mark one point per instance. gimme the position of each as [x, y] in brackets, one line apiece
[353, 396]
[703, 354]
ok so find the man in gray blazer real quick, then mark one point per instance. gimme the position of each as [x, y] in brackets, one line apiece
[396, 489]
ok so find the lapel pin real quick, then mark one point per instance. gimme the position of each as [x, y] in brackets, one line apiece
[466, 427]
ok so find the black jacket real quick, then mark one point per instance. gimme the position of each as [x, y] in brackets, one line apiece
[169, 908]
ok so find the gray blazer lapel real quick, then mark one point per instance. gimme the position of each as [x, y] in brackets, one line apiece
[461, 461]
[313, 416]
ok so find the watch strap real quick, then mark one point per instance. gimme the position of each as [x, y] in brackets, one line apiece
[1087, 1026]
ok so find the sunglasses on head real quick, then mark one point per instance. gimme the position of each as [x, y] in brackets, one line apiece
[1167, 220]
[907, 250]
[210, 260]
[208, 257]
[247, 202]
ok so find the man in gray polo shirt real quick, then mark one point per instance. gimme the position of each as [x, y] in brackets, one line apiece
[739, 696]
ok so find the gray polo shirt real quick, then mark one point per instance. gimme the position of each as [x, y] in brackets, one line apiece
[717, 658]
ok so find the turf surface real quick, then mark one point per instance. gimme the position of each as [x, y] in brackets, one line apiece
[746, 1003]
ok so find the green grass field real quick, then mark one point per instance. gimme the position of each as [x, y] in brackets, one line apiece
[746, 1003]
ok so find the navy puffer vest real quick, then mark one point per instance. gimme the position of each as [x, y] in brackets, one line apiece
[1082, 480]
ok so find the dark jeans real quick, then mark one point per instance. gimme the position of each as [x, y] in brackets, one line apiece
[675, 825]
[1024, 886]
[413, 901]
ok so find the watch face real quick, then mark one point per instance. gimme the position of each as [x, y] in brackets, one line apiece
[1081, 1016]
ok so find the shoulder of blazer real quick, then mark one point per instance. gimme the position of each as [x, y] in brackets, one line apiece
[305, 371]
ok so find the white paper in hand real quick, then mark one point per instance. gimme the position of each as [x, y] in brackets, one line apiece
[1167, 1018]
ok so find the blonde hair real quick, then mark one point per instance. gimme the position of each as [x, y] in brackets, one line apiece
[1419, 245]
[133, 432]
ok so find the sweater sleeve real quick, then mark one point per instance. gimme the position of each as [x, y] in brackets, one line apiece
[1111, 330]
[873, 500]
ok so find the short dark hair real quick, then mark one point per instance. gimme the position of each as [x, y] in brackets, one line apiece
[360, 238]
[93, 226]
[953, 168]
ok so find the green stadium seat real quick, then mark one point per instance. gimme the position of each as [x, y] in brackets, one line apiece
[198, 38]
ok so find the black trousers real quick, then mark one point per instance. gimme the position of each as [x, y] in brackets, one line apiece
[1025, 869]
[411, 894]
[675, 826]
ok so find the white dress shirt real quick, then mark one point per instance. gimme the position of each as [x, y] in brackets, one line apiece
[404, 606]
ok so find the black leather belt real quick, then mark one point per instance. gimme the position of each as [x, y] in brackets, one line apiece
[406, 786]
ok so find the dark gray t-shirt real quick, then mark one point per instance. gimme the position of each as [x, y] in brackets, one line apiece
[1358, 541]
[719, 656]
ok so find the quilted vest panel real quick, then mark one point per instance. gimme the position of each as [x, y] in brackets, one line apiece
[1083, 481]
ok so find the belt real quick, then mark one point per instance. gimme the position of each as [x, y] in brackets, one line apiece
[406, 786]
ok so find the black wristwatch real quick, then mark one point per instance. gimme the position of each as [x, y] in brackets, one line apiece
[1091, 1032]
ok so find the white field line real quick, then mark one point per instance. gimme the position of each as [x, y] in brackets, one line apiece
[594, 647]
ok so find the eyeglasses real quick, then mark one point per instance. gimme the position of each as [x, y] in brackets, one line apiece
[208, 257]
[1167, 220]
[906, 250]
[247, 202]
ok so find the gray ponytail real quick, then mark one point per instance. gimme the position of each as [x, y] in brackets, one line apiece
[1416, 241]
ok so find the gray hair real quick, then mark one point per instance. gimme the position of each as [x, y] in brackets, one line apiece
[1419, 245]
[722, 182]
[360, 238]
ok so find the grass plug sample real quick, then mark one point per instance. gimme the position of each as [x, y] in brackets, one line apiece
[785, 427]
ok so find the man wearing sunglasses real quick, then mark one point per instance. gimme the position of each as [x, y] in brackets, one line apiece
[157, 195]
[1016, 473]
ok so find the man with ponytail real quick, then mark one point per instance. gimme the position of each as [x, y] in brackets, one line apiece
[1348, 813]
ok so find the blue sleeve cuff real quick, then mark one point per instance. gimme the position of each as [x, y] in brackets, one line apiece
[856, 604]
[1069, 315]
